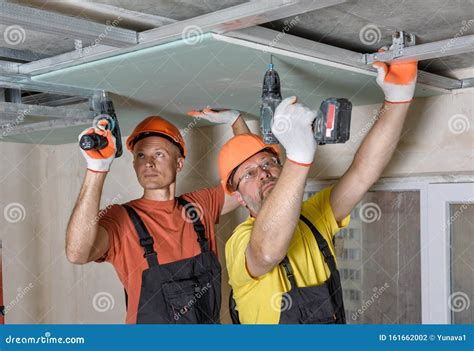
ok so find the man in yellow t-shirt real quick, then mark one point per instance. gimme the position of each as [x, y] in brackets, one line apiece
[281, 261]
[259, 300]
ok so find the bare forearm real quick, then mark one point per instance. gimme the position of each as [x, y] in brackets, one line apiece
[239, 126]
[380, 143]
[82, 227]
[277, 219]
[370, 160]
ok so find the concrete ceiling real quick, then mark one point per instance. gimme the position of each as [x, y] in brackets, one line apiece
[50, 45]
[176, 9]
[340, 25]
[346, 25]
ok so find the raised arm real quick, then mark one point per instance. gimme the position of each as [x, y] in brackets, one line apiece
[398, 83]
[277, 219]
[240, 127]
[232, 117]
[235, 119]
[85, 239]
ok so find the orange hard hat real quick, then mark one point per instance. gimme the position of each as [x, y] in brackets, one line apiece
[236, 151]
[156, 126]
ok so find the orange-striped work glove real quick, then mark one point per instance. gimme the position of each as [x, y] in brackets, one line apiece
[100, 160]
[397, 80]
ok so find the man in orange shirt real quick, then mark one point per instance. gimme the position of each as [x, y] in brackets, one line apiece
[162, 247]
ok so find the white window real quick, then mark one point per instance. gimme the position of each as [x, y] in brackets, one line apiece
[408, 252]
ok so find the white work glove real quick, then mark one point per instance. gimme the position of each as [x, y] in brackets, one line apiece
[397, 80]
[215, 115]
[100, 160]
[293, 127]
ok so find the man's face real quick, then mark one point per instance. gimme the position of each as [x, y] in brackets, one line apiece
[156, 162]
[255, 179]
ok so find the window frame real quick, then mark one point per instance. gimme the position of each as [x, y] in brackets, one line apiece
[436, 193]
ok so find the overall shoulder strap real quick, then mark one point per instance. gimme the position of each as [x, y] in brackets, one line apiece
[289, 271]
[234, 314]
[323, 247]
[322, 244]
[335, 287]
[146, 241]
[194, 215]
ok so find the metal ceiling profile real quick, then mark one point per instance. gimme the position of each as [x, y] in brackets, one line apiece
[139, 21]
[24, 82]
[233, 18]
[442, 48]
[47, 22]
[237, 25]
[10, 111]
[311, 50]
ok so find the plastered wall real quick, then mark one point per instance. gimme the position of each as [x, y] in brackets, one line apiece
[39, 185]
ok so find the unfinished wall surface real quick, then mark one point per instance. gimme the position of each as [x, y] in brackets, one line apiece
[41, 183]
[437, 138]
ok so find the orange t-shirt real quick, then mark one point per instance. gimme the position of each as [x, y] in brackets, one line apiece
[174, 236]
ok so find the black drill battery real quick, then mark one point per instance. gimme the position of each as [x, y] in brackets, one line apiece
[333, 121]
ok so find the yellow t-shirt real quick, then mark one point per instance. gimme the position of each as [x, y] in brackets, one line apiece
[259, 300]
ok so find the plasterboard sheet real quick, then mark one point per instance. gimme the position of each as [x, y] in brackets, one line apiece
[170, 79]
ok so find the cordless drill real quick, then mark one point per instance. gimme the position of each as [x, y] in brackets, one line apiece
[271, 98]
[331, 125]
[97, 142]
